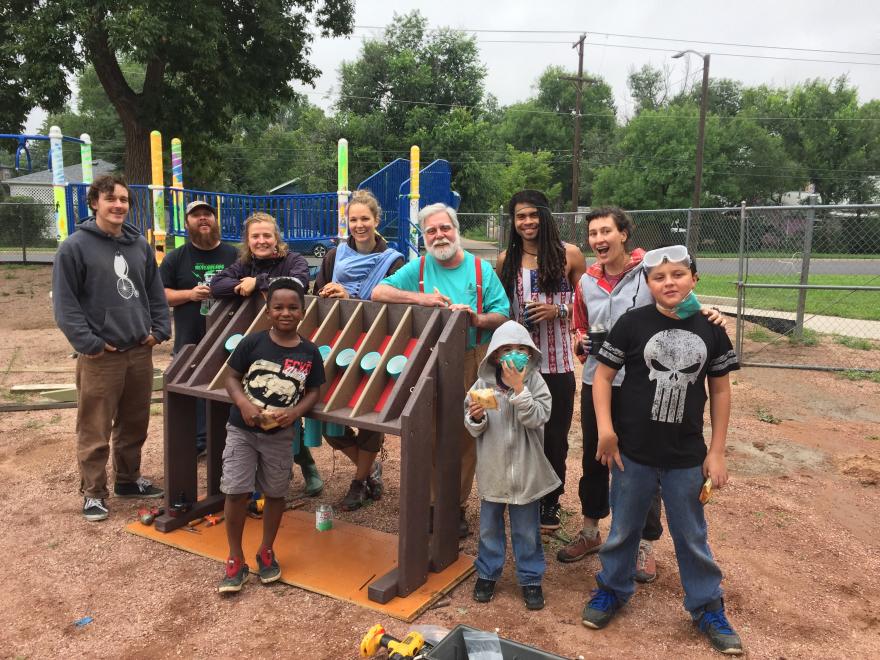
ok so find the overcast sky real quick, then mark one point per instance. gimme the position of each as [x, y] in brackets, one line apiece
[514, 65]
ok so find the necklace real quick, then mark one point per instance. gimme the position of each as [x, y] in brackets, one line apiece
[531, 254]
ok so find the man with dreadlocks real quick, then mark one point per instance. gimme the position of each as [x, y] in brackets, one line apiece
[540, 274]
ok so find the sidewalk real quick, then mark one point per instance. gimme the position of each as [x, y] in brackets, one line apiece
[825, 324]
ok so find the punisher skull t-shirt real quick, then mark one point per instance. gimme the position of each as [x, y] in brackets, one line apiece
[663, 394]
[274, 376]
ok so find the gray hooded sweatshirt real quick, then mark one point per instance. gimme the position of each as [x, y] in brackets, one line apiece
[511, 466]
[107, 289]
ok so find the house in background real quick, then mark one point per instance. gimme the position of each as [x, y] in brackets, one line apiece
[38, 185]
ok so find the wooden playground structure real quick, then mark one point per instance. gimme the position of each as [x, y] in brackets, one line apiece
[422, 404]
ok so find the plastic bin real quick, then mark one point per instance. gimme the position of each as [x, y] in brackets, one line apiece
[452, 647]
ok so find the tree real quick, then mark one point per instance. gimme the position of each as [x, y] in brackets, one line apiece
[656, 167]
[824, 129]
[649, 87]
[204, 62]
[545, 123]
[413, 86]
[528, 170]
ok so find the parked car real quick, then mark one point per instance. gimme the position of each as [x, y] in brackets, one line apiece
[317, 246]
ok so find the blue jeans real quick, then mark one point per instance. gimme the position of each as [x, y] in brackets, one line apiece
[525, 537]
[631, 494]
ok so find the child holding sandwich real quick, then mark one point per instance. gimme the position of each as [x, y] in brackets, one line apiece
[506, 410]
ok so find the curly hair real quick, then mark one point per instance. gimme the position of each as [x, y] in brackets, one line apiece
[105, 184]
[281, 248]
[621, 220]
[551, 251]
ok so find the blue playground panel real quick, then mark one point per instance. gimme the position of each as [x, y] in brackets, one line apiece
[306, 221]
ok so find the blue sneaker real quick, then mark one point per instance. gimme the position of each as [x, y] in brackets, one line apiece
[600, 609]
[721, 634]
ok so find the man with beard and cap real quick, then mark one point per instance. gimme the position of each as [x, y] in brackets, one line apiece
[186, 274]
[449, 276]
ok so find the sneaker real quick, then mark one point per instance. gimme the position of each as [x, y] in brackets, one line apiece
[719, 631]
[140, 488]
[268, 568]
[374, 481]
[314, 483]
[600, 609]
[580, 547]
[94, 509]
[484, 590]
[356, 497]
[550, 516]
[236, 575]
[534, 597]
[646, 565]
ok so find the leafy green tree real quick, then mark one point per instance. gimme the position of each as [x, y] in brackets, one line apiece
[656, 167]
[824, 129]
[204, 62]
[649, 87]
[528, 170]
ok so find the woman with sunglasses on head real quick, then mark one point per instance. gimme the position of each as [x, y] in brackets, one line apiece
[611, 286]
[540, 273]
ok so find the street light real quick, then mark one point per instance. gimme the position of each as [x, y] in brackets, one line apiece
[694, 236]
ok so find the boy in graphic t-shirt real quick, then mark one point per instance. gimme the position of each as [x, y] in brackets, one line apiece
[275, 379]
[668, 350]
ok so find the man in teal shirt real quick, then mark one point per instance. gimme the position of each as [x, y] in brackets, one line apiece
[448, 277]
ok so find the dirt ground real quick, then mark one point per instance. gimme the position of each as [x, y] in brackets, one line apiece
[795, 533]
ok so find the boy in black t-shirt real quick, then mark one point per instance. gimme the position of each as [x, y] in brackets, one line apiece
[275, 379]
[668, 351]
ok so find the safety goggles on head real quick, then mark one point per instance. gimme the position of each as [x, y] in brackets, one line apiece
[673, 253]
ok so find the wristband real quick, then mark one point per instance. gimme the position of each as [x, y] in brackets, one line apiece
[562, 311]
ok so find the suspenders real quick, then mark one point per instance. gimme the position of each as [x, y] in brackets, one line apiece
[478, 271]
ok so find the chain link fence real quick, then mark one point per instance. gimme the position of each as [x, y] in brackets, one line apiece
[801, 282]
[27, 230]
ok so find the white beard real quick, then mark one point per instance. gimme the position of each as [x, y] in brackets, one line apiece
[446, 252]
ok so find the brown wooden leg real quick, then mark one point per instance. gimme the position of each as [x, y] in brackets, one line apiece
[180, 452]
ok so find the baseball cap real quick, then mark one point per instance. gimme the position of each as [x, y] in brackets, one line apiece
[193, 205]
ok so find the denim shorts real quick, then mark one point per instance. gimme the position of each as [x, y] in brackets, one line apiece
[253, 460]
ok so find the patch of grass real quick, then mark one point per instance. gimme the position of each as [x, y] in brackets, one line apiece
[854, 342]
[808, 338]
[476, 234]
[33, 425]
[767, 417]
[845, 304]
[759, 334]
[873, 376]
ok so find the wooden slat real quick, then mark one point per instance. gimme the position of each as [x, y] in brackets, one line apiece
[181, 474]
[353, 374]
[261, 322]
[347, 339]
[414, 368]
[379, 377]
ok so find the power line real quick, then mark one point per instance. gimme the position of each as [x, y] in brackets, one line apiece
[641, 36]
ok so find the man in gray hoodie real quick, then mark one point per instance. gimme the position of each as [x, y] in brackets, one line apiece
[110, 304]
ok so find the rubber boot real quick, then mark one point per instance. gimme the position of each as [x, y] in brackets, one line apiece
[314, 483]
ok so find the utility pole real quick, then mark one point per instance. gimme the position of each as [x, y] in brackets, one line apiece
[694, 233]
[576, 153]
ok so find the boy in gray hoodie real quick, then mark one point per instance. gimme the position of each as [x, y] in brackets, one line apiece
[506, 410]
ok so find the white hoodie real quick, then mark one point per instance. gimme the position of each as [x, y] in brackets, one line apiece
[511, 466]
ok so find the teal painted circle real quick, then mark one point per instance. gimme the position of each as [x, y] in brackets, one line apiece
[324, 351]
[345, 358]
[370, 361]
[396, 365]
[233, 341]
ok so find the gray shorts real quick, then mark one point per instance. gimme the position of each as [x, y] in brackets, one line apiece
[252, 458]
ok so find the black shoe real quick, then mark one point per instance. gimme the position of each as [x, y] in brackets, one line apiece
[534, 597]
[550, 516]
[234, 577]
[94, 509]
[358, 494]
[140, 488]
[463, 529]
[484, 590]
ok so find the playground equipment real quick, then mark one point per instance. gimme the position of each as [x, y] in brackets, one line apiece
[421, 405]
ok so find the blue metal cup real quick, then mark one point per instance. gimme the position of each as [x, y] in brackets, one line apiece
[312, 431]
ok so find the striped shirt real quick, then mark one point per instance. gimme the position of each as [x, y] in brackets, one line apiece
[553, 338]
